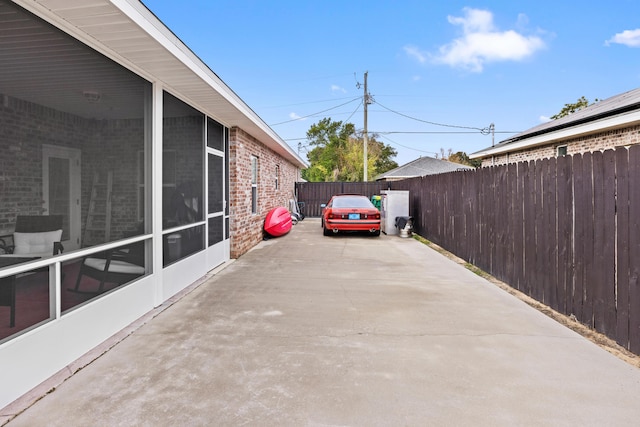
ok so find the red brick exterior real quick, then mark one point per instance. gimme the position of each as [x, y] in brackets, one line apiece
[246, 228]
[583, 144]
[26, 126]
[21, 169]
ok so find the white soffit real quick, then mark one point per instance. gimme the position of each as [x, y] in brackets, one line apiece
[127, 31]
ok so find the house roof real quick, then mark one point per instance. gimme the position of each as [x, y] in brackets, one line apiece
[129, 33]
[421, 167]
[615, 112]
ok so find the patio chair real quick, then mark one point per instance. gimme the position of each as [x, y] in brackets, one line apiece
[119, 266]
[34, 236]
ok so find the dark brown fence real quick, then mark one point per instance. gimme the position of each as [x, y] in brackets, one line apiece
[565, 231]
[313, 194]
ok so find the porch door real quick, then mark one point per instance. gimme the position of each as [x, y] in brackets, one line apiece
[61, 190]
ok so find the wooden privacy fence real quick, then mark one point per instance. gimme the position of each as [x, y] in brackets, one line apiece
[564, 231]
[313, 194]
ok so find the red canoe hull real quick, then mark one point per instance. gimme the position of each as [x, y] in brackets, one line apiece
[278, 222]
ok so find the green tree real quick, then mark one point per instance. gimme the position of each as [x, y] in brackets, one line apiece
[458, 157]
[462, 158]
[338, 153]
[568, 109]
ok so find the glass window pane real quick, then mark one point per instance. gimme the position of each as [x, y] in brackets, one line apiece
[254, 170]
[254, 184]
[254, 199]
[183, 135]
[215, 230]
[87, 278]
[182, 243]
[215, 135]
[24, 301]
[215, 183]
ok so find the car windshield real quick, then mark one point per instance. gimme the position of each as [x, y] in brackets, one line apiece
[351, 202]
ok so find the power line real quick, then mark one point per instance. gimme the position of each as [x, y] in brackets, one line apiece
[354, 111]
[320, 112]
[437, 132]
[368, 99]
[307, 103]
[404, 146]
[430, 122]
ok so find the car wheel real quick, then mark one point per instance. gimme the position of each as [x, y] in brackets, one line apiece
[376, 233]
[326, 231]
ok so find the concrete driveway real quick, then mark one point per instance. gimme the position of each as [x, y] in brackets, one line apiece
[307, 330]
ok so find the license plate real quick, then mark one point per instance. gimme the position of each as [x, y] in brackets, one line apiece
[354, 216]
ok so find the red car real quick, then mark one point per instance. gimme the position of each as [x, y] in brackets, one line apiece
[350, 212]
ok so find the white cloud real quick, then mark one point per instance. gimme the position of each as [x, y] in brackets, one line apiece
[415, 53]
[630, 38]
[294, 116]
[544, 119]
[336, 88]
[475, 21]
[482, 42]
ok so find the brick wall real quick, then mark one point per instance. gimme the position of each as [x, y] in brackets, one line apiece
[105, 145]
[584, 144]
[25, 127]
[246, 227]
[114, 146]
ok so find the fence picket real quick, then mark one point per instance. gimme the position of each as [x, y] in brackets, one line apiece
[634, 249]
[622, 255]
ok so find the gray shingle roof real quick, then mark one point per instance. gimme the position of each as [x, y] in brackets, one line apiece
[421, 167]
[608, 107]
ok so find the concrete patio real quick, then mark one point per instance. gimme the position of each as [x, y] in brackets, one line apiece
[344, 330]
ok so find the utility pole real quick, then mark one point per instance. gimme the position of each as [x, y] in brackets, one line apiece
[492, 127]
[366, 135]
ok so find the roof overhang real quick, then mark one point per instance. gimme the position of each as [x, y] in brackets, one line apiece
[129, 33]
[558, 136]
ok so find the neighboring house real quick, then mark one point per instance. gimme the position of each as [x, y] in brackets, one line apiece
[610, 123]
[421, 167]
[108, 120]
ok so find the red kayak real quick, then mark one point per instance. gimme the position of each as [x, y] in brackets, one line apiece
[278, 222]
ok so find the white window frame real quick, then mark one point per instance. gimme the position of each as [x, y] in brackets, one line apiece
[254, 184]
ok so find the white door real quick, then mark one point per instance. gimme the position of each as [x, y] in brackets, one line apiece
[61, 190]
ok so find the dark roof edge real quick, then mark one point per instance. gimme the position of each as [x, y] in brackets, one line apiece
[570, 124]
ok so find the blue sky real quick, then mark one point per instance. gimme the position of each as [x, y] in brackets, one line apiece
[430, 63]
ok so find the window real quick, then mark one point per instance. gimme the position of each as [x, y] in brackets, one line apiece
[215, 135]
[183, 132]
[254, 185]
[82, 126]
[277, 177]
[561, 150]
